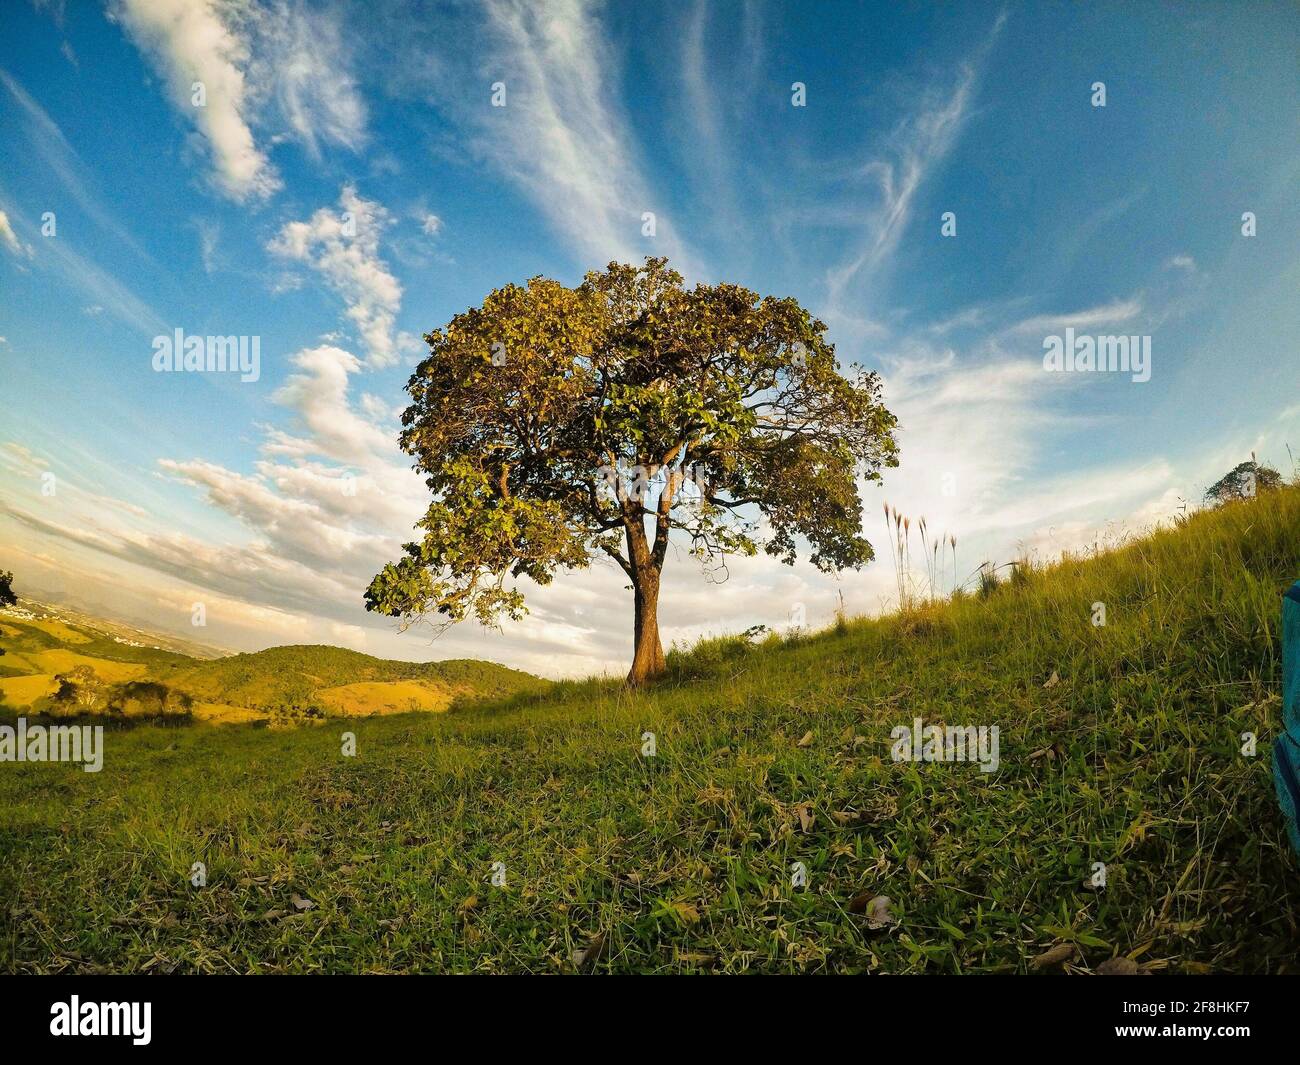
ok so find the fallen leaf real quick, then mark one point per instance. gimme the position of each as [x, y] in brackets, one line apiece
[1119, 966]
[1057, 955]
[806, 817]
[299, 903]
[1053, 680]
[806, 740]
[591, 953]
[878, 914]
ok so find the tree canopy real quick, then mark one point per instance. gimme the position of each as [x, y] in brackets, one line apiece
[1243, 481]
[552, 422]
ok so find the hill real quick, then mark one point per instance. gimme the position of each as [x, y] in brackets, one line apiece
[42, 641]
[344, 681]
[1120, 744]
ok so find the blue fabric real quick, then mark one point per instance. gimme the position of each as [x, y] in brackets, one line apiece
[1291, 661]
[1286, 748]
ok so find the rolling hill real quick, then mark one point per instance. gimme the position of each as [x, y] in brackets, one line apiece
[344, 682]
[42, 641]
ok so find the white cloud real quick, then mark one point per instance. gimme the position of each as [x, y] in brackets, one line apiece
[49, 143]
[430, 223]
[919, 145]
[22, 460]
[209, 241]
[319, 394]
[560, 138]
[189, 41]
[300, 51]
[1112, 313]
[343, 246]
[283, 65]
[10, 239]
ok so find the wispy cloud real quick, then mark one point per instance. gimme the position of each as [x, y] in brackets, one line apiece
[1113, 313]
[50, 144]
[302, 53]
[285, 65]
[900, 167]
[190, 44]
[561, 137]
[10, 239]
[104, 290]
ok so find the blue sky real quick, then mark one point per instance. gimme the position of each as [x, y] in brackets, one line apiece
[172, 489]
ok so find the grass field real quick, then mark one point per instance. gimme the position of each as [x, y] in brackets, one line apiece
[1119, 744]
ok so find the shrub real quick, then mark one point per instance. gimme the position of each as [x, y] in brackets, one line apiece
[988, 576]
[151, 700]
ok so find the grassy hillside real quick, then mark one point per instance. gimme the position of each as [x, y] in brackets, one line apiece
[40, 642]
[268, 677]
[243, 687]
[1119, 744]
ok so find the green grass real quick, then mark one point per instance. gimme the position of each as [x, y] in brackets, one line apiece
[682, 863]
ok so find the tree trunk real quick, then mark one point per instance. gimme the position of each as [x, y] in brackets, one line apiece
[648, 653]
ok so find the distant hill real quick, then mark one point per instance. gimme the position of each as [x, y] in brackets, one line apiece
[298, 671]
[42, 641]
[122, 633]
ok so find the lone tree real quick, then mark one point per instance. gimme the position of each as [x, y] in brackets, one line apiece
[1244, 481]
[552, 422]
[7, 597]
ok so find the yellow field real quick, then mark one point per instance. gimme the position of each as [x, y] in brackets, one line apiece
[384, 697]
[222, 714]
[58, 630]
[59, 660]
[21, 692]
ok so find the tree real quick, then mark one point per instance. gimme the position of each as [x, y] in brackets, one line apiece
[80, 691]
[1243, 481]
[551, 422]
[150, 699]
[7, 597]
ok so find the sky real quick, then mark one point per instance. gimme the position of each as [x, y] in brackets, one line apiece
[943, 185]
